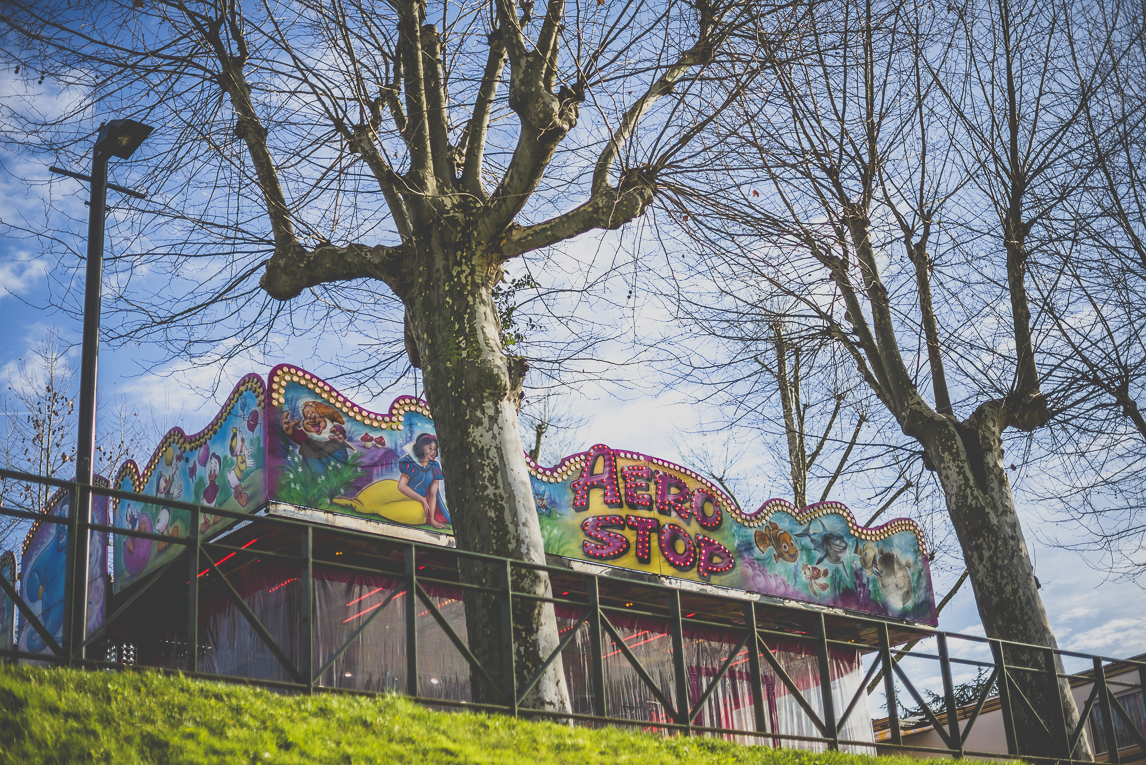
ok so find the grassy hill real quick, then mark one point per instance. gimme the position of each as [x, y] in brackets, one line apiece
[67, 716]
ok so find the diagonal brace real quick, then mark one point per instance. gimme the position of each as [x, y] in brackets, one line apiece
[780, 672]
[935, 724]
[644, 675]
[354, 636]
[692, 713]
[258, 627]
[457, 641]
[572, 632]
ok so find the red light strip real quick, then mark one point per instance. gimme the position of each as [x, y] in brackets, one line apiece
[364, 597]
[368, 610]
[634, 645]
[282, 584]
[232, 555]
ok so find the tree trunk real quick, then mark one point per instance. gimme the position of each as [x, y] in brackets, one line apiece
[790, 403]
[474, 390]
[968, 458]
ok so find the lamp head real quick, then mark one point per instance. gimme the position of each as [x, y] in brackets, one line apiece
[121, 138]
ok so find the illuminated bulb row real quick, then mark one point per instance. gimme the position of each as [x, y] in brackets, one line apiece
[392, 421]
[605, 480]
[252, 383]
[8, 561]
[673, 466]
[564, 470]
[53, 503]
[670, 532]
[608, 544]
[878, 534]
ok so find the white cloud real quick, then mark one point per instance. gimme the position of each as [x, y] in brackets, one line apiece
[20, 273]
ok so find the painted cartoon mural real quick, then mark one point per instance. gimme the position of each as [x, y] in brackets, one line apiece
[327, 453]
[7, 605]
[608, 506]
[221, 466]
[42, 573]
[318, 449]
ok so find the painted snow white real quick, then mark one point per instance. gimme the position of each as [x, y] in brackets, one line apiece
[421, 480]
[415, 499]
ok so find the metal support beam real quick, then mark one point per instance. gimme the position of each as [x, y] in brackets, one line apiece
[193, 563]
[954, 737]
[508, 659]
[412, 620]
[679, 666]
[759, 702]
[596, 648]
[1106, 711]
[889, 685]
[1006, 709]
[306, 659]
[831, 731]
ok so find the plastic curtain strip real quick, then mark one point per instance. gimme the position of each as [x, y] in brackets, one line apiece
[376, 659]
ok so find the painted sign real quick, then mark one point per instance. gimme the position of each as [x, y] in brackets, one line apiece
[7, 605]
[615, 507]
[221, 466]
[639, 512]
[328, 453]
[42, 572]
[319, 449]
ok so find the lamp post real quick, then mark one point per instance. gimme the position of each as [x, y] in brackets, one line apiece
[117, 138]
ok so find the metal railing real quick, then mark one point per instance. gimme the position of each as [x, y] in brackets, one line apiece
[746, 624]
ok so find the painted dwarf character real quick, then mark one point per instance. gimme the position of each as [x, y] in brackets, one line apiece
[319, 433]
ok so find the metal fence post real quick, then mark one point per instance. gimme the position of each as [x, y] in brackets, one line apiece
[949, 696]
[76, 578]
[306, 665]
[596, 649]
[889, 685]
[1107, 711]
[1052, 672]
[509, 668]
[831, 733]
[680, 669]
[1005, 708]
[193, 593]
[759, 703]
[411, 621]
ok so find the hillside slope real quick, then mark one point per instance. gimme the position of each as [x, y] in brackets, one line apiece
[66, 716]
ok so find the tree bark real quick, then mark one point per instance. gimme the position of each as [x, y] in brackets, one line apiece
[968, 460]
[475, 390]
[790, 404]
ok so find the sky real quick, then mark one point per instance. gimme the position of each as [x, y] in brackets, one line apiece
[1089, 611]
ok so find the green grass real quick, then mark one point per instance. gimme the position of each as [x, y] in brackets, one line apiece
[70, 716]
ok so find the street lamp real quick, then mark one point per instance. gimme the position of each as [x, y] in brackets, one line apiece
[117, 138]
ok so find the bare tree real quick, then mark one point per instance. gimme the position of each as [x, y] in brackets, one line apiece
[38, 433]
[550, 426]
[897, 185]
[1091, 287]
[333, 150]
